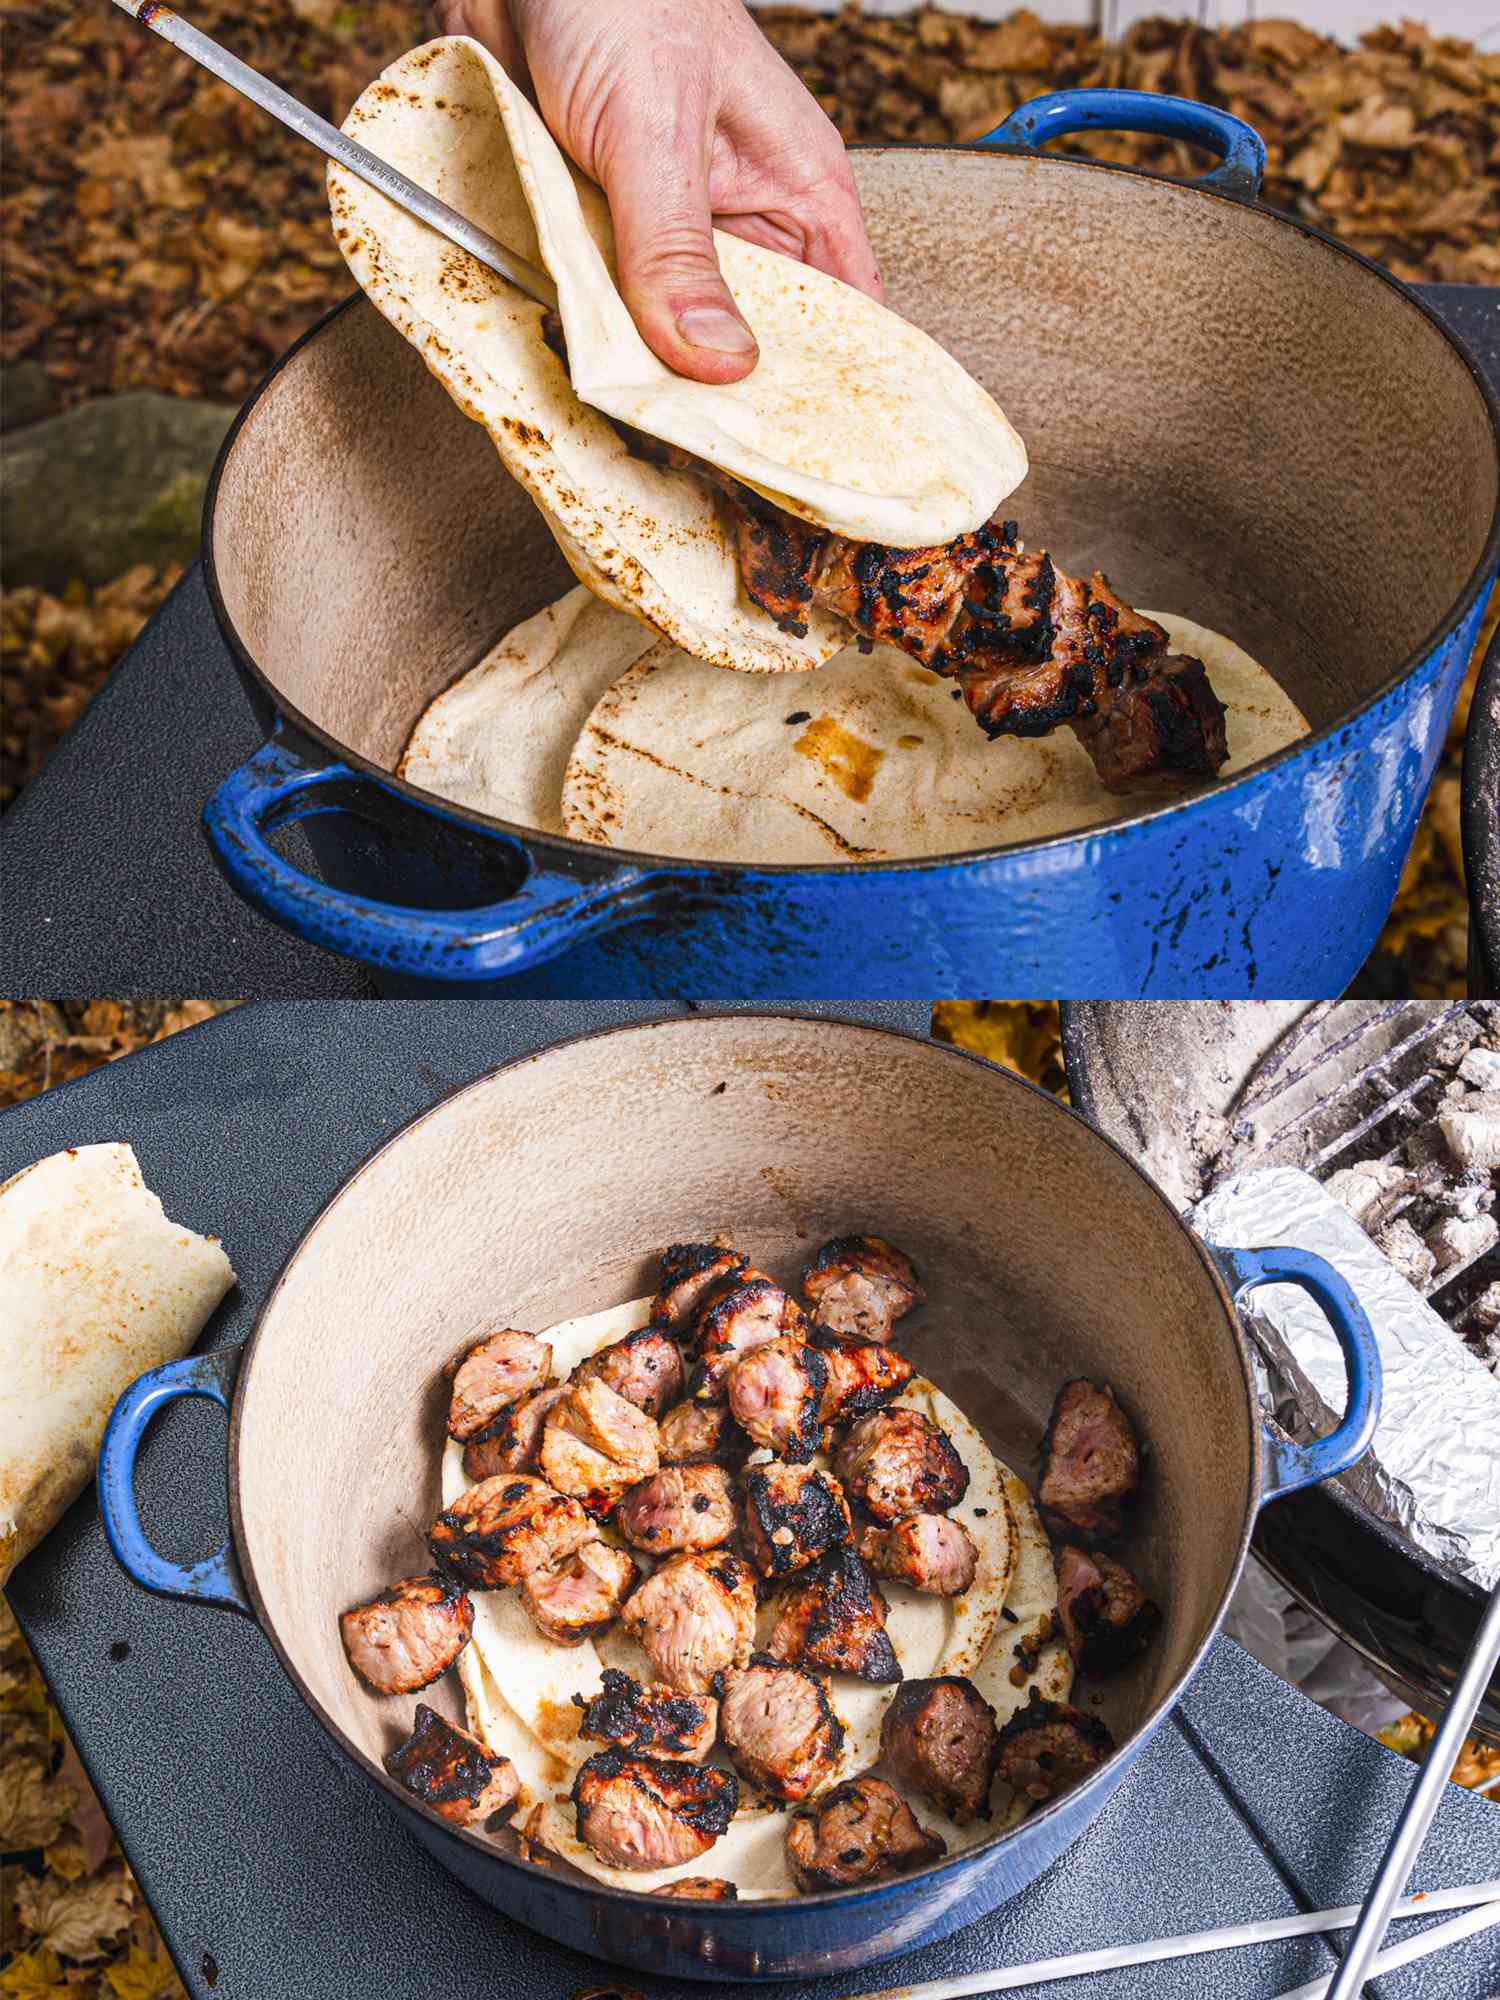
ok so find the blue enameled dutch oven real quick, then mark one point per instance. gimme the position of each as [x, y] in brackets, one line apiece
[1234, 415]
[543, 1190]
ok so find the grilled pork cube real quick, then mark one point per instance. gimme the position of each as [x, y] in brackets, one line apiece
[929, 1552]
[689, 1273]
[860, 1378]
[1090, 1464]
[576, 1597]
[1048, 1747]
[501, 1528]
[680, 1507]
[939, 1737]
[1106, 1617]
[651, 1812]
[701, 1889]
[859, 1286]
[779, 1728]
[451, 1771]
[694, 1617]
[858, 1832]
[732, 1323]
[833, 1617]
[659, 1720]
[404, 1638]
[898, 1462]
[793, 1513]
[645, 1368]
[691, 1431]
[495, 1373]
[775, 1393]
[596, 1445]
[512, 1442]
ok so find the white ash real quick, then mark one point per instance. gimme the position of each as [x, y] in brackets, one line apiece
[1456, 1242]
[1471, 1129]
[1408, 1253]
[1372, 1191]
[1481, 1067]
[1484, 1314]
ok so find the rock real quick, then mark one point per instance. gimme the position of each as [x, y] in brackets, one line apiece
[26, 395]
[118, 482]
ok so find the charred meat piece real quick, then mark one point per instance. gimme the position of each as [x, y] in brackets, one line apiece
[775, 1394]
[929, 1552]
[1090, 1464]
[733, 1322]
[1106, 1617]
[1048, 1747]
[793, 1514]
[451, 1771]
[651, 1812]
[833, 1617]
[778, 556]
[406, 1637]
[1159, 731]
[577, 1596]
[689, 1273]
[680, 1507]
[916, 599]
[939, 1736]
[859, 1286]
[701, 1889]
[596, 1445]
[692, 1431]
[511, 1443]
[695, 1617]
[645, 1368]
[501, 1528]
[660, 1720]
[497, 1372]
[898, 1462]
[860, 1378]
[858, 1832]
[780, 1729]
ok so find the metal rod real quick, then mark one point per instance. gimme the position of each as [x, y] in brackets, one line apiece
[359, 160]
[1421, 1806]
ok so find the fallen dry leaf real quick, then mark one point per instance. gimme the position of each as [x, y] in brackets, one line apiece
[78, 1920]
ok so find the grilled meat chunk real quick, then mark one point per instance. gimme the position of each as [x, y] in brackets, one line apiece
[680, 1507]
[930, 1552]
[1164, 729]
[495, 1373]
[659, 1720]
[833, 1617]
[406, 1637]
[780, 1729]
[689, 1273]
[793, 1513]
[651, 1812]
[693, 1431]
[451, 1771]
[1106, 1617]
[732, 1323]
[596, 1445]
[1091, 1464]
[577, 1596]
[858, 1287]
[858, 1832]
[775, 1394]
[501, 1528]
[700, 1889]
[898, 1462]
[860, 1378]
[645, 1368]
[1048, 1747]
[694, 1617]
[939, 1736]
[511, 1443]
[778, 556]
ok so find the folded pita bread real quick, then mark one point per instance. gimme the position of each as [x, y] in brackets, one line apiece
[96, 1286]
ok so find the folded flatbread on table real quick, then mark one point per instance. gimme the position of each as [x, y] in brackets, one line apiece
[96, 1286]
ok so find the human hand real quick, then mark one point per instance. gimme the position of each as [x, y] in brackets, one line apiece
[688, 119]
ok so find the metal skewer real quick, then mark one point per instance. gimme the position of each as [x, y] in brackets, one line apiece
[348, 152]
[1420, 1808]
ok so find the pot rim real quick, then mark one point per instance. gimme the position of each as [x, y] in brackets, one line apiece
[1480, 816]
[1119, 826]
[828, 1898]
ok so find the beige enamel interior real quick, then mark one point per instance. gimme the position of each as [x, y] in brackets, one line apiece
[544, 1190]
[1238, 423]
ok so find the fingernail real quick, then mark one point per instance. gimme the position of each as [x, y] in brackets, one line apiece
[712, 326]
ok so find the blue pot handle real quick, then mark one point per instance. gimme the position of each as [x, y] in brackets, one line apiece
[1241, 150]
[215, 1580]
[1289, 1466]
[548, 913]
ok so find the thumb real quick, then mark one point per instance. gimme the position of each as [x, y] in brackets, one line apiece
[668, 271]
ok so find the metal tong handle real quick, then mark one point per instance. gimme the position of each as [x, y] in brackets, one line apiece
[328, 139]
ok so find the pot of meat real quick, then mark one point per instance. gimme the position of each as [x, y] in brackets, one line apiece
[691, 1560]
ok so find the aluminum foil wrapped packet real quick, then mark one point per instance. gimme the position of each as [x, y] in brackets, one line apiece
[1434, 1467]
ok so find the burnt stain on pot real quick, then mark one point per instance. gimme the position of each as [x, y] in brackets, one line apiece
[844, 758]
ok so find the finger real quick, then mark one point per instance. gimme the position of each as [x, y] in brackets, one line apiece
[488, 22]
[792, 239]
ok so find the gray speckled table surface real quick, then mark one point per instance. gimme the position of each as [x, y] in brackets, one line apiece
[277, 1874]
